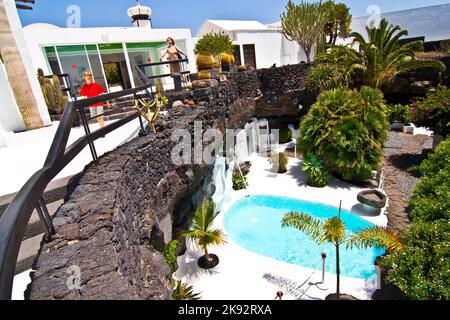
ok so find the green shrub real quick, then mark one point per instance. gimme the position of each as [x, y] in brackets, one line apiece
[431, 198]
[279, 162]
[239, 182]
[216, 43]
[285, 135]
[421, 269]
[170, 254]
[346, 129]
[326, 77]
[398, 113]
[433, 111]
[314, 168]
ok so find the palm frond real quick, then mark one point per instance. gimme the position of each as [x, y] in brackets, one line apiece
[305, 223]
[418, 64]
[375, 237]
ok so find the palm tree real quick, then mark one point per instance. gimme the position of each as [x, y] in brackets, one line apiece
[203, 235]
[17, 76]
[381, 57]
[334, 231]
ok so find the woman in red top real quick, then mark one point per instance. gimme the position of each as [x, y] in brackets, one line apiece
[92, 89]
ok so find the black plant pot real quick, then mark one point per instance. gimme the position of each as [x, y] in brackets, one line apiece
[342, 296]
[208, 264]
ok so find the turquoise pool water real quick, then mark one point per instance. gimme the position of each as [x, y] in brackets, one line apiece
[254, 223]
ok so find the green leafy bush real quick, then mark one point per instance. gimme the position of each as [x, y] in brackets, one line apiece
[433, 111]
[346, 129]
[285, 135]
[399, 113]
[170, 254]
[239, 182]
[183, 291]
[279, 162]
[326, 77]
[216, 43]
[317, 174]
[421, 268]
[431, 198]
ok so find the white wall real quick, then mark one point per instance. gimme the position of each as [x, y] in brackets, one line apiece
[16, 27]
[293, 53]
[36, 38]
[268, 46]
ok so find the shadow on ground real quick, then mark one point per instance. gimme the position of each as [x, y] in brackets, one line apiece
[190, 268]
[365, 211]
[301, 178]
[406, 162]
[296, 289]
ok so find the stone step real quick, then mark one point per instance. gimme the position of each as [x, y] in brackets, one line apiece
[27, 253]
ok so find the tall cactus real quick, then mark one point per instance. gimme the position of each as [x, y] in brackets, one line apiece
[53, 95]
[159, 86]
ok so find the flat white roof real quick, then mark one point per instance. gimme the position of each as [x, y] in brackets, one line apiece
[236, 25]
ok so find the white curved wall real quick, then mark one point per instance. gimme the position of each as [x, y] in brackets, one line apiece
[16, 27]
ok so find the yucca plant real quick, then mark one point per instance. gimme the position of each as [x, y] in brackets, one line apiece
[183, 291]
[380, 58]
[333, 231]
[204, 235]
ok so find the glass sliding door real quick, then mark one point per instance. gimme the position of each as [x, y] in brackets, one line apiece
[142, 53]
[52, 60]
[74, 61]
[115, 66]
[96, 65]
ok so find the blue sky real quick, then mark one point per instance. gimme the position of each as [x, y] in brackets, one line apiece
[188, 13]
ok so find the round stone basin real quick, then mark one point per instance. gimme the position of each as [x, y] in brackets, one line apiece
[373, 198]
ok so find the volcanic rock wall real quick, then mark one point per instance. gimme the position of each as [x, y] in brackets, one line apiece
[123, 210]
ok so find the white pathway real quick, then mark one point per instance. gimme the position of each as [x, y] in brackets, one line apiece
[25, 152]
[245, 275]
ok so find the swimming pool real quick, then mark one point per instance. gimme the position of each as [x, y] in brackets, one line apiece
[254, 223]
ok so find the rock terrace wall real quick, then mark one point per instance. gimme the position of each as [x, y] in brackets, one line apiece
[125, 209]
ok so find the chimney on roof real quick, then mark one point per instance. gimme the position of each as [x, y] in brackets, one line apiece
[140, 15]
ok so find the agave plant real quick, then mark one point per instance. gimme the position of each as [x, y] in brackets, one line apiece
[202, 232]
[314, 168]
[380, 58]
[183, 291]
[333, 231]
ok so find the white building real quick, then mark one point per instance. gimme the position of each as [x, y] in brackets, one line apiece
[10, 118]
[429, 24]
[111, 54]
[260, 45]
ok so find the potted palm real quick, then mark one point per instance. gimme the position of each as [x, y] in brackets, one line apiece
[203, 234]
[333, 231]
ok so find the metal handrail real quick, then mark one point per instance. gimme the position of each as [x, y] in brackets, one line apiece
[14, 221]
[140, 68]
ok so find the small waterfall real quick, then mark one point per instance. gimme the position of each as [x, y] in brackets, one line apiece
[255, 138]
[223, 181]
